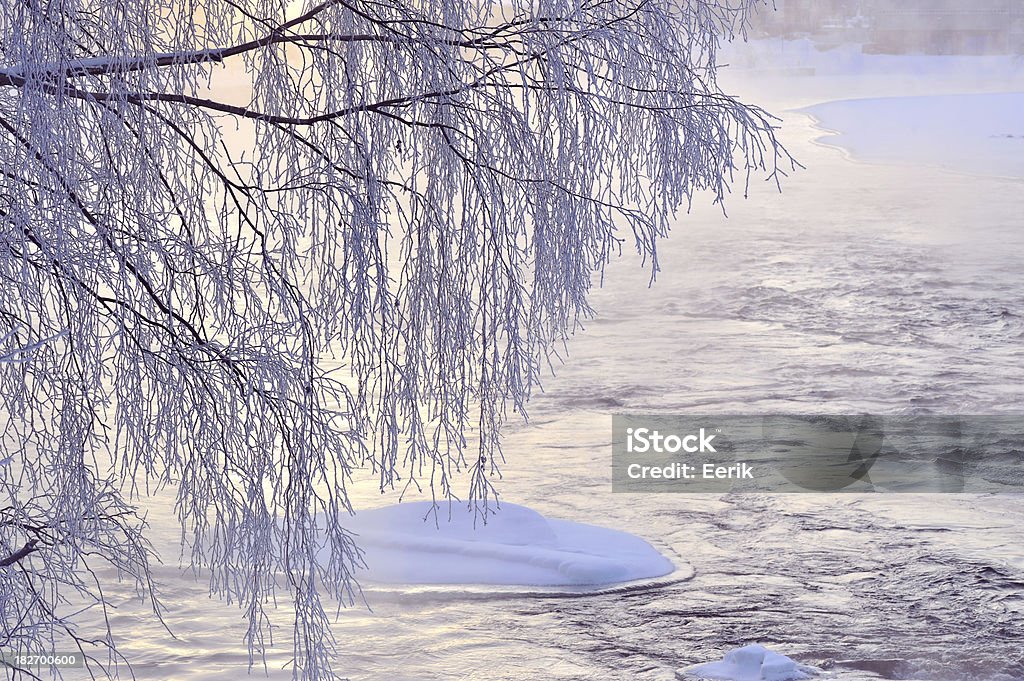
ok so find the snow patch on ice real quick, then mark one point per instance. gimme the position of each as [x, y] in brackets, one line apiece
[404, 544]
[751, 663]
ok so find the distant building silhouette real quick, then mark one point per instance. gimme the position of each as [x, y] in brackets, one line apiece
[902, 26]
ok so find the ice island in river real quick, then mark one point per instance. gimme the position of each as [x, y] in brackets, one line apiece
[750, 663]
[404, 544]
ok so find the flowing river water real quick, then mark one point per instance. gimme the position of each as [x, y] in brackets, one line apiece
[861, 288]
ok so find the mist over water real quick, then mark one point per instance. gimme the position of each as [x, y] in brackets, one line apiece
[863, 287]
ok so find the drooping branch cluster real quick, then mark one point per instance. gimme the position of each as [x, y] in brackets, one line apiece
[247, 248]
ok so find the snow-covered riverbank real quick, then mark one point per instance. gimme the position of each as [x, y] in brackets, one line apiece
[977, 133]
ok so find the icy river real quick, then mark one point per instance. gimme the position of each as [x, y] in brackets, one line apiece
[866, 286]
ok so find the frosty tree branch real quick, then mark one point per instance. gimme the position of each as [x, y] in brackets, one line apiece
[28, 548]
[246, 250]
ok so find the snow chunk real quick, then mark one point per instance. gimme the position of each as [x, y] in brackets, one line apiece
[517, 546]
[751, 663]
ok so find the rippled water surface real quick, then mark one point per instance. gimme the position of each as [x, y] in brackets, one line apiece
[860, 288]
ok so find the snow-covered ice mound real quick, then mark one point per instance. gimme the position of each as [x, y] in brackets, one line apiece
[751, 663]
[517, 546]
